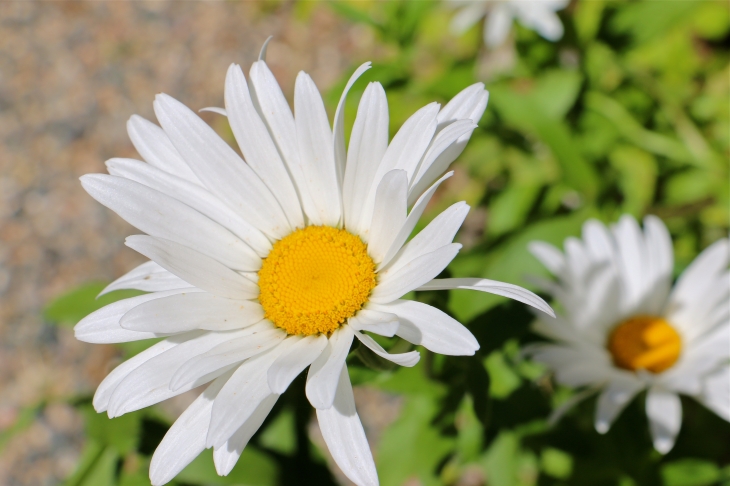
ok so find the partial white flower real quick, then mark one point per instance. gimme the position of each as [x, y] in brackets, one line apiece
[264, 265]
[624, 329]
[537, 15]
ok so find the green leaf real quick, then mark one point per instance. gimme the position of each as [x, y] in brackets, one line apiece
[254, 468]
[411, 448]
[503, 379]
[638, 170]
[280, 435]
[690, 472]
[97, 466]
[510, 208]
[500, 462]
[121, 433]
[70, 308]
[556, 463]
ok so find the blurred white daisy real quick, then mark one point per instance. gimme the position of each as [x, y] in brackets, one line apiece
[263, 265]
[537, 15]
[624, 329]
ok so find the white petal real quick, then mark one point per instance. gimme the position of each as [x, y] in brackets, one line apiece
[612, 401]
[404, 359]
[316, 152]
[493, 287]
[383, 323]
[187, 312]
[389, 213]
[368, 142]
[214, 109]
[257, 146]
[196, 268]
[255, 340]
[186, 438]
[227, 455]
[345, 438]
[633, 259]
[325, 370]
[289, 365]
[275, 111]
[598, 241]
[410, 143]
[431, 328]
[439, 232]
[339, 124]
[156, 148]
[549, 256]
[415, 273]
[716, 393]
[242, 394]
[541, 20]
[411, 221]
[661, 254]
[466, 17]
[219, 168]
[468, 103]
[148, 277]
[102, 326]
[109, 384]
[149, 383]
[446, 146]
[195, 196]
[165, 217]
[497, 26]
[665, 418]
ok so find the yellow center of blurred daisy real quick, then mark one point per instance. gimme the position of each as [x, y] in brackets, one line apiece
[645, 342]
[314, 279]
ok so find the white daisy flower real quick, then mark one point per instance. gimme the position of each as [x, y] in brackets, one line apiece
[623, 329]
[264, 265]
[537, 15]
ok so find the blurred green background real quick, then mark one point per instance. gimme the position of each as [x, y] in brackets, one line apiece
[628, 113]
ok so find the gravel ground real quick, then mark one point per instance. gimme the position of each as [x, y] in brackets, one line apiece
[71, 74]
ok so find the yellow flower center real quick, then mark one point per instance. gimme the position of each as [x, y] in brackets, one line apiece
[645, 342]
[314, 279]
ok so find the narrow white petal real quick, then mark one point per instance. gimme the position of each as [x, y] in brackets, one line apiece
[196, 268]
[219, 167]
[165, 217]
[345, 438]
[497, 26]
[466, 17]
[275, 112]
[493, 287]
[253, 341]
[325, 370]
[103, 325]
[188, 312]
[109, 384]
[431, 328]
[633, 258]
[665, 418]
[598, 241]
[700, 274]
[549, 256]
[368, 142]
[242, 394]
[468, 103]
[186, 438]
[156, 149]
[368, 319]
[410, 143]
[339, 124]
[389, 213]
[215, 109]
[226, 456]
[612, 400]
[257, 146]
[193, 195]
[264, 48]
[316, 152]
[411, 221]
[439, 232]
[289, 365]
[149, 383]
[408, 359]
[716, 392]
[148, 277]
[417, 272]
[446, 146]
